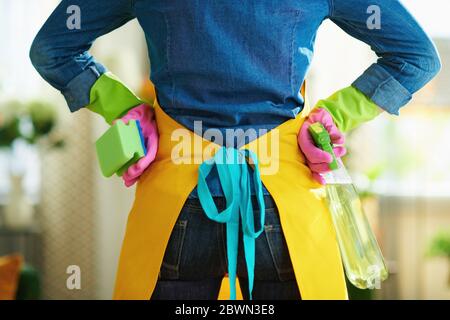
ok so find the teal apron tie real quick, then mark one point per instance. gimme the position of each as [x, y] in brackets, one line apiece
[234, 176]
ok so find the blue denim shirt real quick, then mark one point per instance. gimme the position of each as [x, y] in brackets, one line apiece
[236, 64]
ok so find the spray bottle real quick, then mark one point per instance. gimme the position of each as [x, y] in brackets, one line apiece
[362, 258]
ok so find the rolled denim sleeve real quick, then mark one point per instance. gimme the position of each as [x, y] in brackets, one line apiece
[407, 58]
[60, 49]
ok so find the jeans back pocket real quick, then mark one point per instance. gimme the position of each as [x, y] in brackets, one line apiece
[170, 268]
[278, 249]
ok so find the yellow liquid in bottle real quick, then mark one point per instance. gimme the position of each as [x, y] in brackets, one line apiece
[361, 255]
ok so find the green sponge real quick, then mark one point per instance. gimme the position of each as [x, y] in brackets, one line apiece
[119, 147]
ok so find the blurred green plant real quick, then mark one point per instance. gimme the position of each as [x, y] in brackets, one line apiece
[9, 122]
[440, 245]
[370, 175]
[33, 122]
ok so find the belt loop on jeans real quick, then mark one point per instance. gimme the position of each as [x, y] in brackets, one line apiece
[234, 176]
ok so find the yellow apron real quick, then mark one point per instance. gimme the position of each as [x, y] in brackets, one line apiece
[166, 184]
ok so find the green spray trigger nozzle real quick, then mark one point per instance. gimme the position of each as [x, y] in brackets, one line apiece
[322, 140]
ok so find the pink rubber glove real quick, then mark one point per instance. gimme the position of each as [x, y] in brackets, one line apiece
[146, 118]
[317, 159]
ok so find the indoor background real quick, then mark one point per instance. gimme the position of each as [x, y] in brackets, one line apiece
[57, 210]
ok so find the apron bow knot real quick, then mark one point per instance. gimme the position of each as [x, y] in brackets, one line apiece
[234, 169]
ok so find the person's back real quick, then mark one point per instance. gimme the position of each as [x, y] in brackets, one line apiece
[231, 64]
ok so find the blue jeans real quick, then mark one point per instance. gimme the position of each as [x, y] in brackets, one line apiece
[195, 260]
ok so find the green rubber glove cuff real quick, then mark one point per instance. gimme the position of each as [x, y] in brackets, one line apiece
[110, 98]
[349, 108]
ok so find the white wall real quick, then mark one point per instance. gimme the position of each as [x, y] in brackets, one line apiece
[433, 15]
[19, 23]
